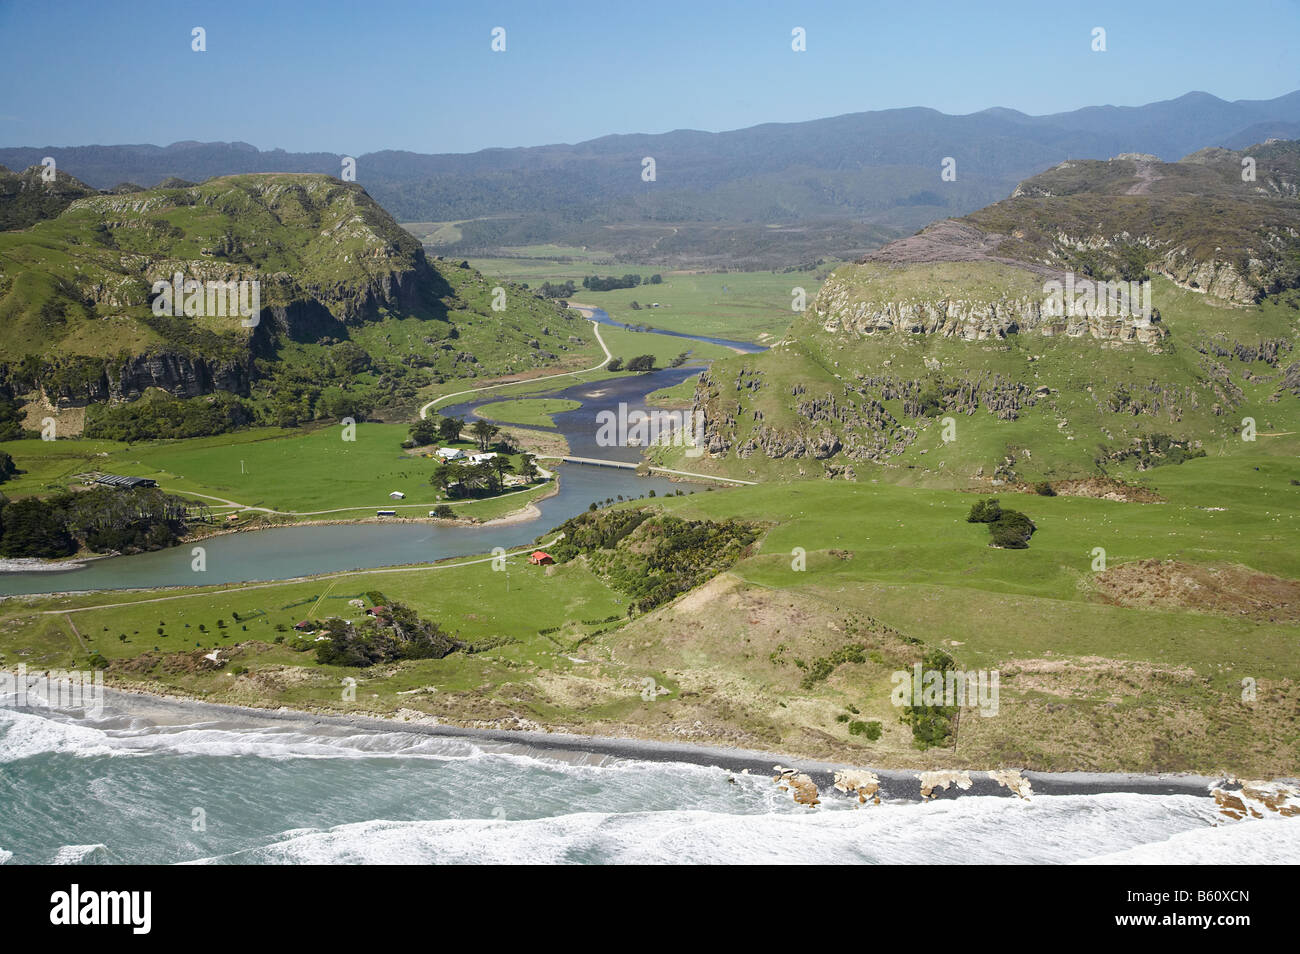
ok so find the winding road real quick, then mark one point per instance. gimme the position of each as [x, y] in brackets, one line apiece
[424, 411]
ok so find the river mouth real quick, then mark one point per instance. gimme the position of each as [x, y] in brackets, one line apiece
[282, 553]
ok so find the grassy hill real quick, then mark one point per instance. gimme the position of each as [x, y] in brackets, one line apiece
[937, 360]
[354, 315]
[26, 198]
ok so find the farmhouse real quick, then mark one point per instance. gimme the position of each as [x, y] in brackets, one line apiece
[540, 557]
[451, 453]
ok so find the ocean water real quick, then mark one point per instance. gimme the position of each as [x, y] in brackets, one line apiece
[124, 789]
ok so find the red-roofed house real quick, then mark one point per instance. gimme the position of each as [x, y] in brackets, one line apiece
[539, 557]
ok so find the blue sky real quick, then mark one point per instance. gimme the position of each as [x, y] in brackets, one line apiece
[353, 77]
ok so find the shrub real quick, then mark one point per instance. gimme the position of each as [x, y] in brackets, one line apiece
[1012, 530]
[984, 511]
[871, 729]
[1044, 489]
[931, 724]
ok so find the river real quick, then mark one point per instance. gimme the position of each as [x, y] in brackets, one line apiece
[287, 552]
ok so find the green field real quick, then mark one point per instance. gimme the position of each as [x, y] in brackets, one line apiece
[532, 412]
[474, 603]
[742, 306]
[625, 343]
[304, 472]
[536, 264]
[677, 395]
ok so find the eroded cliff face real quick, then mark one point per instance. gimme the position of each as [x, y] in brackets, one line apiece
[1218, 279]
[840, 308]
[181, 375]
[1229, 282]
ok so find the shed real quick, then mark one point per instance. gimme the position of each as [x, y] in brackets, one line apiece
[128, 483]
[540, 557]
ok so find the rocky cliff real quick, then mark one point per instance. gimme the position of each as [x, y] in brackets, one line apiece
[841, 309]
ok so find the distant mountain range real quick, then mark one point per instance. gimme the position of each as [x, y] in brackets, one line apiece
[766, 195]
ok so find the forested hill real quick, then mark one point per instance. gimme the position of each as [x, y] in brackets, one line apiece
[350, 312]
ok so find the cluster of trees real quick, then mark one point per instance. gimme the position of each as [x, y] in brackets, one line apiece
[458, 480]
[558, 290]
[11, 421]
[597, 283]
[7, 467]
[431, 430]
[167, 418]
[402, 634]
[483, 434]
[1010, 529]
[103, 520]
[343, 381]
[652, 557]
[642, 362]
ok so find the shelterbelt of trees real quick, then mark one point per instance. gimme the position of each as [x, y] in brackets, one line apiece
[101, 520]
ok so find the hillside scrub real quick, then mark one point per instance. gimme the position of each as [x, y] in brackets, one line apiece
[401, 634]
[653, 558]
[931, 724]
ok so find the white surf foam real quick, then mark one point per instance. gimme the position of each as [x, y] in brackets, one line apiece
[960, 831]
[25, 735]
[80, 855]
[28, 734]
